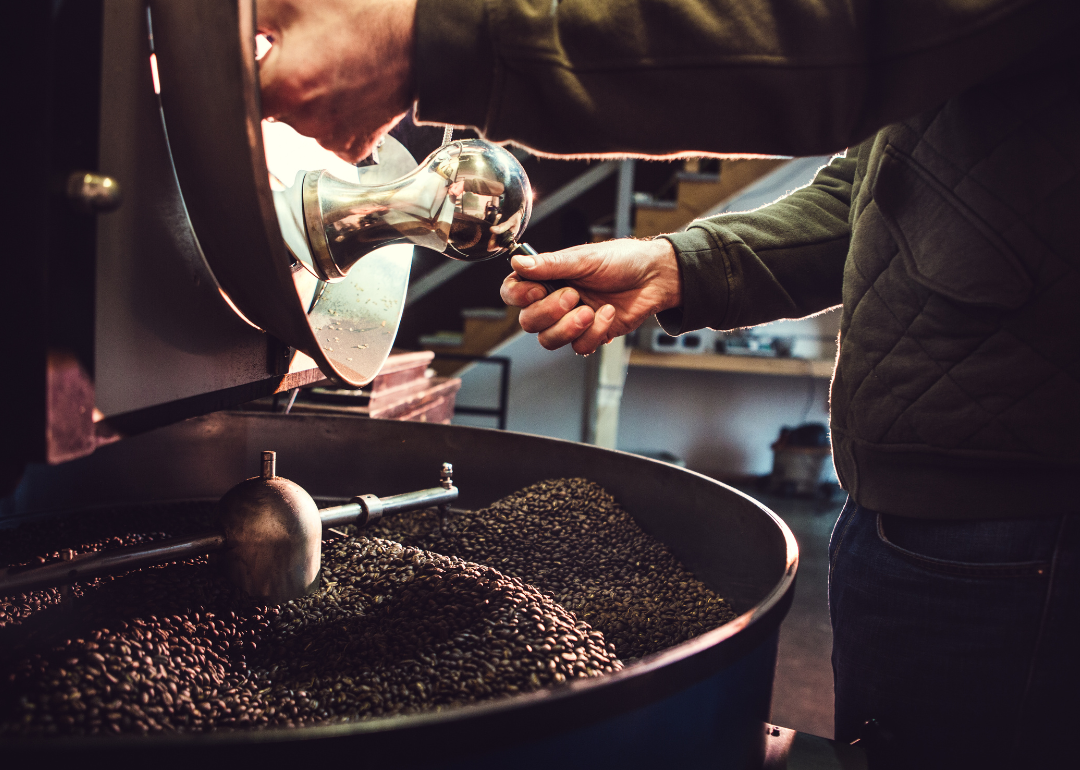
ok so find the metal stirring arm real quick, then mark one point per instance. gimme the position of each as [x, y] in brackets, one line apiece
[88, 565]
[362, 511]
[365, 510]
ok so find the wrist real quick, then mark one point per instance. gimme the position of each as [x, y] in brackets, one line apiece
[667, 275]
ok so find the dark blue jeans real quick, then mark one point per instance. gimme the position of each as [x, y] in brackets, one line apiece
[958, 638]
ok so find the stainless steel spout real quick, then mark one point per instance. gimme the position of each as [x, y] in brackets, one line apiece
[470, 200]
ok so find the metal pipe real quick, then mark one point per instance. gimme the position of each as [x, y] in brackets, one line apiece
[504, 393]
[424, 498]
[88, 565]
[362, 511]
[340, 515]
[605, 372]
[624, 200]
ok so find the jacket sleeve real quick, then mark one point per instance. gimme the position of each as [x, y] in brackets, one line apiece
[654, 77]
[785, 260]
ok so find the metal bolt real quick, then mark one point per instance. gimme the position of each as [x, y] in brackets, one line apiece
[269, 464]
[94, 193]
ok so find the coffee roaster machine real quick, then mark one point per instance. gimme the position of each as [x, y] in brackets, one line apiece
[151, 290]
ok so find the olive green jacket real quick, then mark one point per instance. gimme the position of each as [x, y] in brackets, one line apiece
[587, 77]
[947, 234]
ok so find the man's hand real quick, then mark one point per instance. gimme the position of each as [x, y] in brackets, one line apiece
[338, 70]
[620, 282]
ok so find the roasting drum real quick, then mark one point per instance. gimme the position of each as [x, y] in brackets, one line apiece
[701, 703]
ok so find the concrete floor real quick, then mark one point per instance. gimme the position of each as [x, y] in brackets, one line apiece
[803, 690]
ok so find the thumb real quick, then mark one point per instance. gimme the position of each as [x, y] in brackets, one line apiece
[568, 263]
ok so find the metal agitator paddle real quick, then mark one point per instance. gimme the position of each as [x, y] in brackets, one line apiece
[269, 538]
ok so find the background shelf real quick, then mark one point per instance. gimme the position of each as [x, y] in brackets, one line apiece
[789, 367]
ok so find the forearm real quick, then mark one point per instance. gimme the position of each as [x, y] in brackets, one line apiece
[782, 261]
[729, 76]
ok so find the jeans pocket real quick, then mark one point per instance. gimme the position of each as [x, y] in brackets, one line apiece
[974, 569]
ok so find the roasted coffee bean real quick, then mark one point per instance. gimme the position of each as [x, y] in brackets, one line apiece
[555, 575]
[570, 538]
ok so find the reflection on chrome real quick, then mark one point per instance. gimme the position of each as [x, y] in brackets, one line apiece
[469, 199]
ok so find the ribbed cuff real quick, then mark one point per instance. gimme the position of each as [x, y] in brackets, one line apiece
[454, 63]
[706, 285]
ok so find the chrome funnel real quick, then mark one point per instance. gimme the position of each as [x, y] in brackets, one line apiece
[470, 200]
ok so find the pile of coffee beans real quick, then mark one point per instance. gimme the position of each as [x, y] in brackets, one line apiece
[570, 538]
[535, 584]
